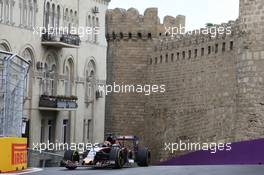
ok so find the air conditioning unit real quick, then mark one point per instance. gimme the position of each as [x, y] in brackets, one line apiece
[95, 9]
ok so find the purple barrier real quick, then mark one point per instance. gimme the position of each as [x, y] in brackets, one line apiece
[246, 152]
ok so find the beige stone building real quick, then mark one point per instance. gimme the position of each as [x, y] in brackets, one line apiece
[63, 100]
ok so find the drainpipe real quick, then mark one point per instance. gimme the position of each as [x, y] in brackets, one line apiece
[76, 71]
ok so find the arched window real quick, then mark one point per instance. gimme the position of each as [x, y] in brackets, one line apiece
[58, 16]
[71, 20]
[93, 26]
[90, 82]
[93, 21]
[7, 11]
[66, 18]
[89, 21]
[96, 29]
[50, 76]
[53, 16]
[68, 81]
[4, 47]
[12, 5]
[47, 16]
[31, 13]
[89, 34]
[28, 56]
[25, 12]
[91, 85]
[75, 18]
[1, 10]
[35, 8]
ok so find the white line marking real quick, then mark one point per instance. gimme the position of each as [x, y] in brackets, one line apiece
[30, 170]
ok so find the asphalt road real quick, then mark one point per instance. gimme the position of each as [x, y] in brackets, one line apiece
[160, 170]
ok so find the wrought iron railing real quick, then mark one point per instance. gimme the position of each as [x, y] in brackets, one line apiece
[68, 102]
[66, 38]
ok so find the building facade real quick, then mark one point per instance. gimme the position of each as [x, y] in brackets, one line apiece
[213, 83]
[63, 102]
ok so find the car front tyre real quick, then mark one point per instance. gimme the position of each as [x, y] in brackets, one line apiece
[116, 155]
[72, 156]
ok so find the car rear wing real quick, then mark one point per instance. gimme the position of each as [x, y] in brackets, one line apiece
[134, 139]
[127, 138]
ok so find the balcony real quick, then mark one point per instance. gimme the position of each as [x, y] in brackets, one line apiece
[60, 40]
[58, 103]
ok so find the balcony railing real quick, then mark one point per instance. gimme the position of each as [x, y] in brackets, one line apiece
[61, 40]
[58, 102]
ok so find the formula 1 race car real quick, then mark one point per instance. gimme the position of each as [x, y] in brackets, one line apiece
[114, 152]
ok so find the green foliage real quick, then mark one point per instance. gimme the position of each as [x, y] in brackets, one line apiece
[209, 24]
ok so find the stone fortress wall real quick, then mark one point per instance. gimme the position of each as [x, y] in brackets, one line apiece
[213, 84]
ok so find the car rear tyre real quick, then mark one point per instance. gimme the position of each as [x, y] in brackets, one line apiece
[72, 156]
[143, 157]
[116, 155]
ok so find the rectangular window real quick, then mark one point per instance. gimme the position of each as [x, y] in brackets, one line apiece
[209, 50]
[190, 54]
[183, 55]
[84, 127]
[42, 131]
[50, 130]
[216, 48]
[223, 47]
[195, 53]
[48, 84]
[52, 88]
[231, 45]
[66, 85]
[65, 131]
[172, 57]
[178, 55]
[202, 52]
[89, 129]
[89, 90]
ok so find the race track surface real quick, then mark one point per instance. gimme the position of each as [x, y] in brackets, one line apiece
[160, 170]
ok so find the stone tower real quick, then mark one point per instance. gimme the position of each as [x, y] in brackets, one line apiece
[250, 71]
[131, 39]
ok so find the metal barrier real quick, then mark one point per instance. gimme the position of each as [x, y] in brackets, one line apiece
[13, 148]
[13, 71]
[44, 159]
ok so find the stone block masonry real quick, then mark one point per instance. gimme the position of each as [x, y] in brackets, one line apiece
[214, 85]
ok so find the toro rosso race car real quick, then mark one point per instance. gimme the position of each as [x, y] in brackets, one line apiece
[114, 152]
